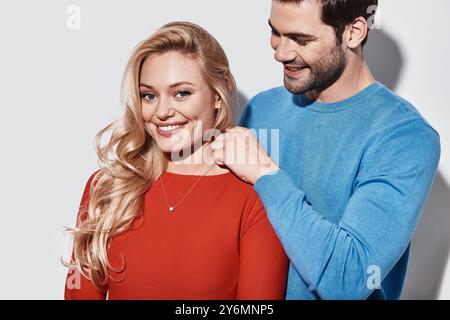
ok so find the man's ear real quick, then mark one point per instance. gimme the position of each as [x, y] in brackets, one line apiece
[356, 32]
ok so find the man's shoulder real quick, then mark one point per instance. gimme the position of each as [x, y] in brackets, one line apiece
[393, 110]
[277, 94]
[259, 110]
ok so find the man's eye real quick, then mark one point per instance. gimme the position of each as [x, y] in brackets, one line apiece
[182, 94]
[302, 42]
[148, 96]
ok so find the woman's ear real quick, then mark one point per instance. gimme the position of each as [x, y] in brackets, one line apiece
[217, 102]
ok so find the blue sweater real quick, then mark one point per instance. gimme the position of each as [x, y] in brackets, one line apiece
[354, 177]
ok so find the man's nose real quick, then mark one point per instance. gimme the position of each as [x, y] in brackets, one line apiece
[285, 51]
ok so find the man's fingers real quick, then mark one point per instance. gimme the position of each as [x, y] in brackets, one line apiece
[217, 150]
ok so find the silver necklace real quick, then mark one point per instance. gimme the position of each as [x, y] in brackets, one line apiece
[172, 208]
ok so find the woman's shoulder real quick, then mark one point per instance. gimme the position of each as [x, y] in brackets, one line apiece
[225, 176]
[87, 187]
[238, 183]
[242, 191]
[93, 176]
[245, 196]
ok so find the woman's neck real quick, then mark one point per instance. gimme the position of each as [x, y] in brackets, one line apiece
[197, 163]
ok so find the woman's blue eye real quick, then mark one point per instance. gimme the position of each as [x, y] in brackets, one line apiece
[148, 96]
[182, 94]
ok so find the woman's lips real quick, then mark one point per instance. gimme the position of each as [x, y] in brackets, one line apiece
[169, 130]
[294, 72]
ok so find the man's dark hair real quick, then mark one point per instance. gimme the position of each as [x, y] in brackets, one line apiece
[340, 13]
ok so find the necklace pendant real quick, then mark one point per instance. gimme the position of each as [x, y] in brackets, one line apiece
[171, 209]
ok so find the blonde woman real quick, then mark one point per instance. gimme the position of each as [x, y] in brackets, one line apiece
[159, 220]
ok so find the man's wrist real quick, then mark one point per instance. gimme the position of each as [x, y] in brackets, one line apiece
[270, 169]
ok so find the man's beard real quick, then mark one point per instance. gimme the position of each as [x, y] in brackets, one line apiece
[323, 73]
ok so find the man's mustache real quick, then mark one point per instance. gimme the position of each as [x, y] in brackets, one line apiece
[296, 65]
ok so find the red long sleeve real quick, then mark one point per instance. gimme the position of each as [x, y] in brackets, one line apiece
[263, 263]
[217, 244]
[77, 287]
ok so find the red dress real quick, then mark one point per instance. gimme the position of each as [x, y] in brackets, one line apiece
[217, 244]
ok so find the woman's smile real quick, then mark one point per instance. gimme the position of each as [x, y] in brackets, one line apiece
[169, 129]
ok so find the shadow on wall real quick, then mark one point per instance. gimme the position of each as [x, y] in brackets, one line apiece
[430, 246]
[384, 57]
[238, 103]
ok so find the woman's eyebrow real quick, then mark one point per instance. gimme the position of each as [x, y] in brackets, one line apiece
[145, 85]
[177, 84]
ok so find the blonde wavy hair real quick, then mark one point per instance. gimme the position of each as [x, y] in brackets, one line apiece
[131, 161]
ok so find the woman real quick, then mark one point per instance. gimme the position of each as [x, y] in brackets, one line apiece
[159, 220]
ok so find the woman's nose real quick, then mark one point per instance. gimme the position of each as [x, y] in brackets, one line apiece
[164, 109]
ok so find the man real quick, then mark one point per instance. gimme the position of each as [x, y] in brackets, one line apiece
[356, 161]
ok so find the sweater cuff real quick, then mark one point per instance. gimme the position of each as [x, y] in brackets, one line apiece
[274, 187]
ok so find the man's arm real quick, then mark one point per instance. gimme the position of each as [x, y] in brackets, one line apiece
[378, 223]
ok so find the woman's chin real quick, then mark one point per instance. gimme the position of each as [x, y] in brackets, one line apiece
[174, 151]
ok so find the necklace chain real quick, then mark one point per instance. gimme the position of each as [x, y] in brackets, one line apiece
[172, 208]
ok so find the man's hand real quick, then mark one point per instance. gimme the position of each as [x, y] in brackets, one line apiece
[240, 151]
